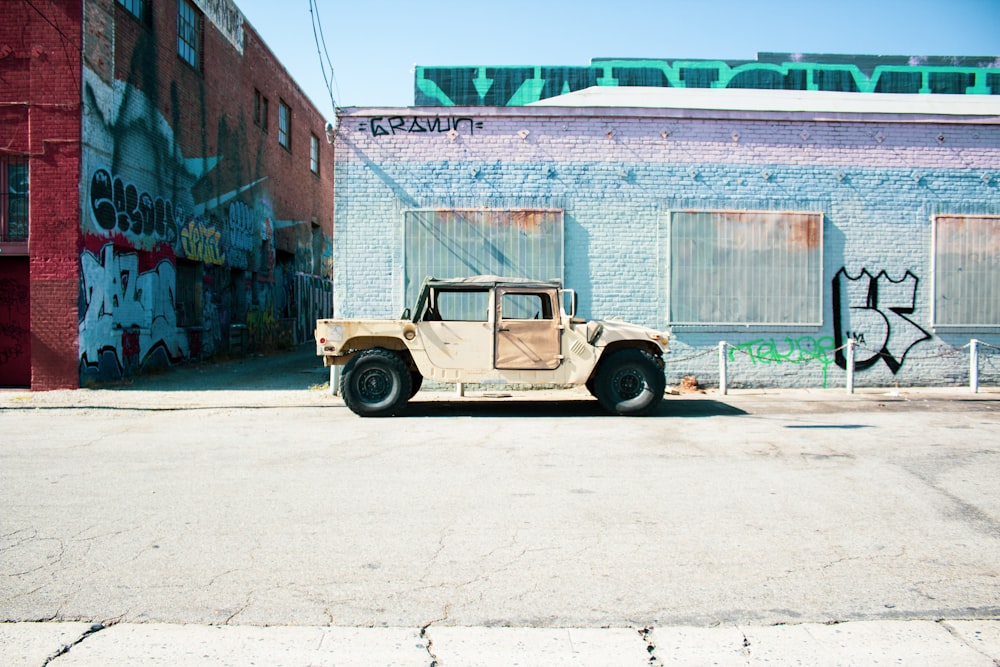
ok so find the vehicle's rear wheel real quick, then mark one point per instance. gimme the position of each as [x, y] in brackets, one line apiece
[630, 382]
[375, 383]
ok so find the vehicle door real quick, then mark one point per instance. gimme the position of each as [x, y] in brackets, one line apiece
[455, 328]
[528, 332]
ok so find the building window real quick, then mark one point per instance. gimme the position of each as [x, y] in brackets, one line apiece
[746, 267]
[189, 33]
[260, 110]
[526, 243]
[966, 271]
[314, 154]
[284, 125]
[137, 8]
[13, 199]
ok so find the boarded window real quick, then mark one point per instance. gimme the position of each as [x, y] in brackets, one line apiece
[746, 267]
[966, 271]
[523, 243]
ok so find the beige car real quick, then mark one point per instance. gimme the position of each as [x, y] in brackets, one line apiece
[492, 330]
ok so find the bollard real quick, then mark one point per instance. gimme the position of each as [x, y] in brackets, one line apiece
[723, 369]
[850, 365]
[459, 390]
[334, 380]
[974, 366]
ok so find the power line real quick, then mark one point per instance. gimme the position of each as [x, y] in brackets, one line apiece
[330, 81]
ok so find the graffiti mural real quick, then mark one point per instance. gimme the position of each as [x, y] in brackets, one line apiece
[313, 298]
[177, 248]
[517, 85]
[380, 126]
[873, 310]
[117, 205]
[241, 234]
[202, 242]
[797, 350]
[127, 312]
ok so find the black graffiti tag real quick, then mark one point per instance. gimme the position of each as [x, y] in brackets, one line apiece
[381, 126]
[116, 204]
[873, 310]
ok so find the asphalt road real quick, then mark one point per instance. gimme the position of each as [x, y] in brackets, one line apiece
[244, 493]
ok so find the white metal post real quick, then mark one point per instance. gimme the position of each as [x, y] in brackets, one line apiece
[974, 366]
[723, 369]
[459, 390]
[850, 365]
[334, 380]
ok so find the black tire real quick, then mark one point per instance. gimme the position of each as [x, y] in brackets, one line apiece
[630, 382]
[375, 383]
[416, 380]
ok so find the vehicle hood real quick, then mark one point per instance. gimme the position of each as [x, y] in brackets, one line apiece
[614, 329]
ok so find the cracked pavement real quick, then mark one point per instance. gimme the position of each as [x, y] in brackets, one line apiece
[159, 503]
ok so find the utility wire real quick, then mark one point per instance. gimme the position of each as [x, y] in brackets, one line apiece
[321, 52]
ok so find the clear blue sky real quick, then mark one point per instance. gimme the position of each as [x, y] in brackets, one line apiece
[374, 45]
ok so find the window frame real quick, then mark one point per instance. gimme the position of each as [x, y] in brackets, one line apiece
[314, 154]
[515, 302]
[460, 304]
[964, 289]
[261, 109]
[137, 9]
[811, 292]
[284, 125]
[19, 244]
[528, 242]
[190, 29]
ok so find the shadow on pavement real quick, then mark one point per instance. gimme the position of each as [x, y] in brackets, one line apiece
[516, 407]
[296, 368]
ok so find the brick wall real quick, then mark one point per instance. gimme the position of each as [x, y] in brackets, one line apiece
[877, 180]
[41, 96]
[186, 194]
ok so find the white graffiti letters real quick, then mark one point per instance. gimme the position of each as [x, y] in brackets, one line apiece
[116, 297]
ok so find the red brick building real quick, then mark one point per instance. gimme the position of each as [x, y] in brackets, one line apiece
[167, 190]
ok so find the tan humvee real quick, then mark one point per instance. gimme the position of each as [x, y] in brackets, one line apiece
[492, 330]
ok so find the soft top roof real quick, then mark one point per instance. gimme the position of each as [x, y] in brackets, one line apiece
[489, 281]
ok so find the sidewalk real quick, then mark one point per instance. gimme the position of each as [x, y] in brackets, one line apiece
[911, 643]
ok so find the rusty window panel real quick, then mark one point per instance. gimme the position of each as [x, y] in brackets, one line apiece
[746, 268]
[966, 271]
[457, 243]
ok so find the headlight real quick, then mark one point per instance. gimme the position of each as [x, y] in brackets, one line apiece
[660, 338]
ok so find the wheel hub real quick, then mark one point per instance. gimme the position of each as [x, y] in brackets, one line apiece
[629, 383]
[374, 385]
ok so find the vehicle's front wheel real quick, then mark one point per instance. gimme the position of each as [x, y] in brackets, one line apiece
[375, 383]
[630, 382]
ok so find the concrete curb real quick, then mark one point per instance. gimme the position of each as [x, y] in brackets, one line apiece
[971, 643]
